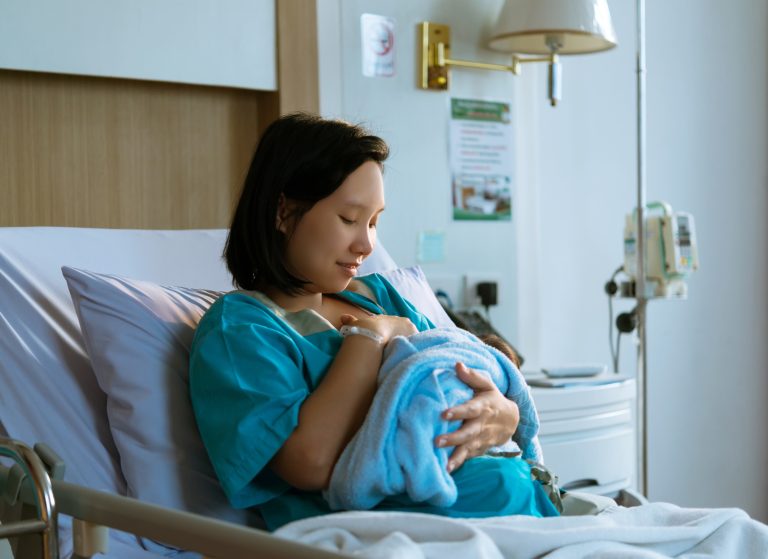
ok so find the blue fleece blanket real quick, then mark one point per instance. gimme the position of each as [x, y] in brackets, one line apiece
[394, 451]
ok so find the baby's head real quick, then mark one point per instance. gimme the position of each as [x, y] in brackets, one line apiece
[497, 342]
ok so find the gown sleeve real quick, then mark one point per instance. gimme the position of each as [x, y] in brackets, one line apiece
[246, 386]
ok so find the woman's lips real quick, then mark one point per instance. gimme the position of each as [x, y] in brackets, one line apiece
[349, 267]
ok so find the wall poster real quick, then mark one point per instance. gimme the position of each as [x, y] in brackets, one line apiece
[481, 159]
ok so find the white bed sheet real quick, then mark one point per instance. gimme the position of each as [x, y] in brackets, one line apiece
[649, 531]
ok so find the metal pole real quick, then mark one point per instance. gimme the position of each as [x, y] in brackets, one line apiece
[640, 295]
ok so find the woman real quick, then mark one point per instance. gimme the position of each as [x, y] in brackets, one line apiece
[283, 371]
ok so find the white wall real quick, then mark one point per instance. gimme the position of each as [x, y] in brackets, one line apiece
[708, 140]
[707, 145]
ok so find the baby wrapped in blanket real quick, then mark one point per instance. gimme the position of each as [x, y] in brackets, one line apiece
[393, 452]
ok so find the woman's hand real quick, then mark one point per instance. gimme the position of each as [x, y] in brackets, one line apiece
[385, 325]
[489, 419]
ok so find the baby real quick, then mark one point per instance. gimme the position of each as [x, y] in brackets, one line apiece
[393, 452]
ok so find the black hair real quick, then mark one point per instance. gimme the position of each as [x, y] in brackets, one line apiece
[304, 158]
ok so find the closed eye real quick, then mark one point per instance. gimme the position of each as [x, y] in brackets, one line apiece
[346, 221]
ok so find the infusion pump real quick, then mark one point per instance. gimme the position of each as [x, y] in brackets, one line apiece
[670, 250]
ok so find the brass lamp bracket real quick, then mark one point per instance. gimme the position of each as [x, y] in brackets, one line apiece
[436, 58]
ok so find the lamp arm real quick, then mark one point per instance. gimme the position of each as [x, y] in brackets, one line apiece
[517, 60]
[514, 67]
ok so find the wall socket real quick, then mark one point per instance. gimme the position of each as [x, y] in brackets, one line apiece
[470, 281]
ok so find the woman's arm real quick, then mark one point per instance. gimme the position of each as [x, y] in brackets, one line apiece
[331, 415]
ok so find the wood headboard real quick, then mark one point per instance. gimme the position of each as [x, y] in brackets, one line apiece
[98, 152]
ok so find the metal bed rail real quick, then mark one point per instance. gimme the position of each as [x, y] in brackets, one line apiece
[93, 510]
[28, 465]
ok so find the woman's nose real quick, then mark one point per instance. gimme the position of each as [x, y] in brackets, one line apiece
[365, 242]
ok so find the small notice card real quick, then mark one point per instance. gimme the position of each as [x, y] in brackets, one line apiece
[481, 159]
[378, 37]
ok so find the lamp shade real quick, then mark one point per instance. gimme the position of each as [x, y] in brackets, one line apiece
[568, 26]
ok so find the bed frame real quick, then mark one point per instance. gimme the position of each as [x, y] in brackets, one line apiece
[33, 485]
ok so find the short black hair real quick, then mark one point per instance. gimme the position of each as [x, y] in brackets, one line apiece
[305, 158]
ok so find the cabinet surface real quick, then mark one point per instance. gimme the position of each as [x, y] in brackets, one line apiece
[587, 435]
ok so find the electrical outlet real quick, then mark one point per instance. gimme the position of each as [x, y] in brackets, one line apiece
[470, 281]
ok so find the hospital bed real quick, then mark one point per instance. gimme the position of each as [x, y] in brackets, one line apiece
[97, 431]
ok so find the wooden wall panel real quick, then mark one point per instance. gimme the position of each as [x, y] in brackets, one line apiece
[99, 152]
[82, 151]
[297, 69]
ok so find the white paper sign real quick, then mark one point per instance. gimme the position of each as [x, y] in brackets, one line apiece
[378, 38]
[481, 159]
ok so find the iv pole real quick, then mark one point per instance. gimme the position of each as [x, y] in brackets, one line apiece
[640, 295]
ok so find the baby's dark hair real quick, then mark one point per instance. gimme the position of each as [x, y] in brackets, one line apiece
[497, 342]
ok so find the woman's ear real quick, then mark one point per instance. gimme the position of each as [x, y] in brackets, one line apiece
[289, 212]
[281, 219]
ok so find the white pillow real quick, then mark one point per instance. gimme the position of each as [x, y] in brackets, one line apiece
[138, 336]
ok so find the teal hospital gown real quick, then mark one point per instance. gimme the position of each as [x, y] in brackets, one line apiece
[252, 364]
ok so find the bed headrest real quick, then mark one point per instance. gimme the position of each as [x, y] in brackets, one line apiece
[40, 335]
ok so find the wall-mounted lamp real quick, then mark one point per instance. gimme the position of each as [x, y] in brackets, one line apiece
[524, 27]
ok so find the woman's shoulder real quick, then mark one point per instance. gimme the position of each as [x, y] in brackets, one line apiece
[240, 308]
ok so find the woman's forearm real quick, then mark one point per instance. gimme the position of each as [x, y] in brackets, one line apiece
[330, 416]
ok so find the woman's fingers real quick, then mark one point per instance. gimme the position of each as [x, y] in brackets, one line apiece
[468, 433]
[458, 458]
[488, 419]
[483, 387]
[474, 379]
[468, 410]
[469, 447]
[348, 319]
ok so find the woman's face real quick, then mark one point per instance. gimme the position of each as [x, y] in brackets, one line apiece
[333, 238]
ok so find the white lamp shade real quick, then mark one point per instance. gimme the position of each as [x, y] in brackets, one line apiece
[579, 26]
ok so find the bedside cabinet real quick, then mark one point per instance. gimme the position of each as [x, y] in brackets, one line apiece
[587, 435]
